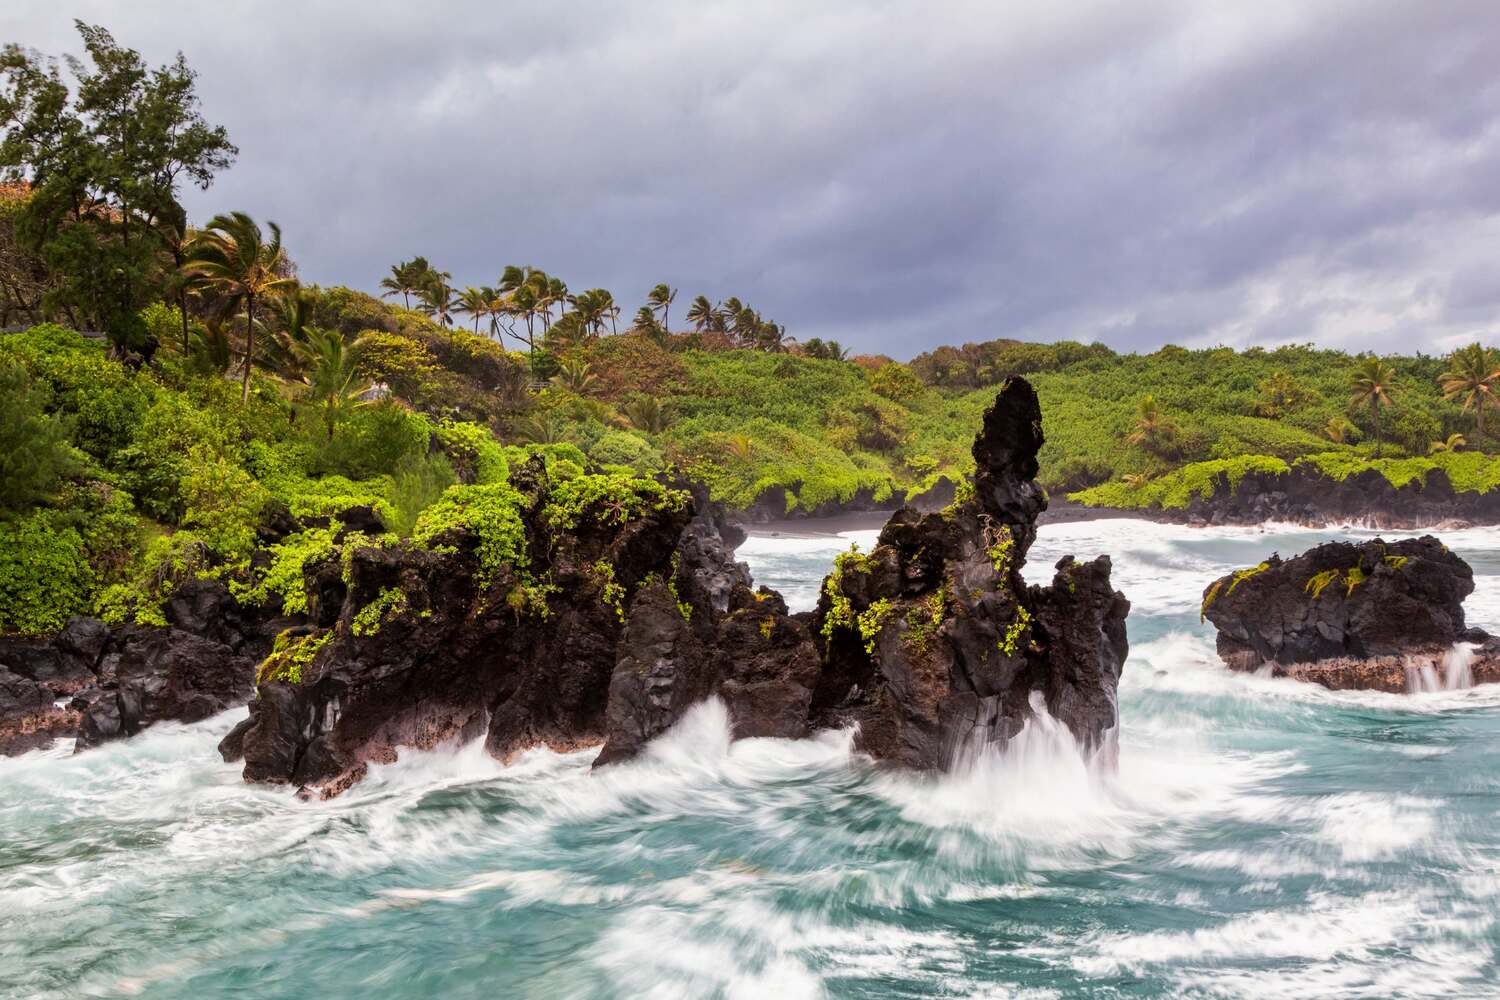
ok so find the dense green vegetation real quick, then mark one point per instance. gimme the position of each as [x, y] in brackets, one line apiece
[220, 406]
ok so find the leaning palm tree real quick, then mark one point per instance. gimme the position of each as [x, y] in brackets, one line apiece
[233, 258]
[1470, 377]
[1373, 384]
[645, 322]
[474, 302]
[406, 279]
[331, 371]
[437, 297]
[661, 298]
[1453, 442]
[701, 313]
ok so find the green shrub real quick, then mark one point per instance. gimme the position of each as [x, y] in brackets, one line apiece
[223, 503]
[34, 450]
[285, 578]
[417, 484]
[609, 498]
[490, 513]
[1176, 489]
[45, 577]
[374, 440]
[475, 455]
[622, 448]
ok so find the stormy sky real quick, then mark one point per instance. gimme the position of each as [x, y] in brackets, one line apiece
[893, 175]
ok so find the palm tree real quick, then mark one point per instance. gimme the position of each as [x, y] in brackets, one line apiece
[741, 446]
[1339, 430]
[1453, 443]
[746, 326]
[645, 414]
[549, 429]
[234, 259]
[574, 374]
[1153, 428]
[475, 302]
[593, 307]
[701, 313]
[662, 297]
[645, 322]
[771, 337]
[405, 279]
[287, 331]
[828, 350]
[569, 333]
[178, 239]
[1374, 383]
[211, 351]
[611, 309]
[556, 294]
[331, 372]
[1471, 376]
[437, 297]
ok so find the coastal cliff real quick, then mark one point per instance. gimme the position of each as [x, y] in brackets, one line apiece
[594, 610]
[645, 613]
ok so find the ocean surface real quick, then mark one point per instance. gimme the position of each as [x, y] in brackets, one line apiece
[1261, 838]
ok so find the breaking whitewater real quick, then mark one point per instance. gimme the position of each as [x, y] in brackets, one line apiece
[1262, 838]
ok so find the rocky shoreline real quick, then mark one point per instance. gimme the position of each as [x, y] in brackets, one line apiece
[612, 614]
[1306, 497]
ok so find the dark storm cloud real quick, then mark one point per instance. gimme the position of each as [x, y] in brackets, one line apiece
[893, 175]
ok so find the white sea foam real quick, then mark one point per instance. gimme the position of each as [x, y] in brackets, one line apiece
[1260, 837]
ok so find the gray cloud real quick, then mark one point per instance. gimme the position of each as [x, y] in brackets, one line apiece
[892, 175]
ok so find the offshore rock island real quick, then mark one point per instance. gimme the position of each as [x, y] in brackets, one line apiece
[1375, 615]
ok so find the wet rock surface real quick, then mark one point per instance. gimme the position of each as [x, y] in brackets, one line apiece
[99, 683]
[1372, 615]
[1341, 599]
[932, 643]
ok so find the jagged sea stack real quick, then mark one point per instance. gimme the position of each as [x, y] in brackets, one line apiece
[932, 643]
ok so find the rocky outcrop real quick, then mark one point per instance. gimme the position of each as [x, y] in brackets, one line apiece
[605, 633]
[430, 646]
[594, 611]
[1346, 615]
[933, 645]
[611, 624]
[99, 683]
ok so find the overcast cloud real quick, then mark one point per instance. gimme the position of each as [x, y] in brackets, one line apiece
[894, 175]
